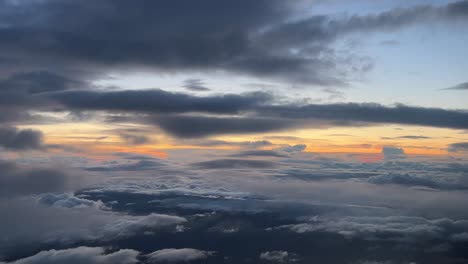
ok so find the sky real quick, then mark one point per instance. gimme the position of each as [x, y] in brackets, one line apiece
[220, 131]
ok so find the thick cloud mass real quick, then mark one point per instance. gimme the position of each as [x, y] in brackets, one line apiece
[39, 82]
[68, 220]
[159, 101]
[173, 112]
[18, 180]
[198, 126]
[271, 40]
[375, 113]
[206, 35]
[314, 116]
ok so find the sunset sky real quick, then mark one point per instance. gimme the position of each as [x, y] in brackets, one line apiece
[307, 120]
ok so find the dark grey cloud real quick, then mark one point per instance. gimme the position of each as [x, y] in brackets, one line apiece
[234, 163]
[196, 85]
[214, 143]
[135, 139]
[264, 114]
[21, 93]
[346, 113]
[407, 137]
[159, 101]
[20, 139]
[205, 36]
[39, 82]
[16, 179]
[198, 126]
[280, 117]
[259, 112]
[460, 146]
[461, 86]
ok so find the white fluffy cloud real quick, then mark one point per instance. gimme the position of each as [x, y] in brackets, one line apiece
[68, 200]
[80, 255]
[275, 256]
[29, 221]
[395, 228]
[127, 226]
[173, 255]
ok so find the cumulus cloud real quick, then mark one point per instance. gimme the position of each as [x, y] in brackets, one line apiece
[392, 228]
[68, 200]
[64, 219]
[461, 237]
[275, 256]
[127, 226]
[81, 255]
[391, 152]
[173, 255]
